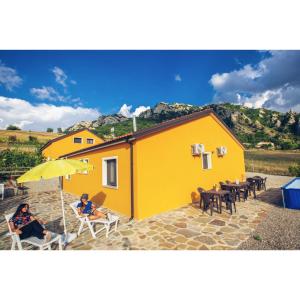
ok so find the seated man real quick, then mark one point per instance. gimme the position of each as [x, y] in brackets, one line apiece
[87, 207]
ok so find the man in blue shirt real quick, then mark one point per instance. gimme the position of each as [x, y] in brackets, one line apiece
[87, 207]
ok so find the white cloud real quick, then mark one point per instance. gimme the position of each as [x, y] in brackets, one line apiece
[9, 77]
[125, 110]
[273, 83]
[60, 76]
[47, 93]
[140, 109]
[22, 124]
[41, 116]
[178, 77]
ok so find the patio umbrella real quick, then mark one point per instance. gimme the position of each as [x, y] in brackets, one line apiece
[53, 169]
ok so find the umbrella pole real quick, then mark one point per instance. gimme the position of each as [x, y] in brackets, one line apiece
[62, 204]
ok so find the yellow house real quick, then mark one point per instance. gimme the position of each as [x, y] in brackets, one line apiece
[73, 141]
[159, 168]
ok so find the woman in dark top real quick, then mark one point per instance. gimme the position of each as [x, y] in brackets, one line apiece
[26, 225]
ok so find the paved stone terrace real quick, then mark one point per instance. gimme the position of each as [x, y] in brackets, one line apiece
[183, 228]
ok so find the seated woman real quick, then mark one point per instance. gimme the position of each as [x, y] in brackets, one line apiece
[26, 225]
[87, 207]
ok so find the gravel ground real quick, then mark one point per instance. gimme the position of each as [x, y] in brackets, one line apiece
[279, 231]
[273, 181]
[281, 228]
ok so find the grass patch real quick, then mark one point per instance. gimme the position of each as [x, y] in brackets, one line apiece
[257, 237]
[271, 162]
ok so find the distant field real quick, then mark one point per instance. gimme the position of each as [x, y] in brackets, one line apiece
[23, 138]
[271, 162]
[23, 135]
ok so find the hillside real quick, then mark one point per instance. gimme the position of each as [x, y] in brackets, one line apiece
[253, 126]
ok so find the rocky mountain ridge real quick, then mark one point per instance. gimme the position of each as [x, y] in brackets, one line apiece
[250, 125]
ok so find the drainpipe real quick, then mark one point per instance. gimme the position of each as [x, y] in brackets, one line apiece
[131, 182]
[130, 142]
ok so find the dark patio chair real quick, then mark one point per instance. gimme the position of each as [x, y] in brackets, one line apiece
[208, 201]
[229, 201]
[258, 182]
[230, 189]
[251, 187]
[242, 193]
[200, 190]
[21, 188]
[263, 183]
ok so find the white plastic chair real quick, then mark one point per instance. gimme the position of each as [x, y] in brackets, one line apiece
[91, 223]
[34, 241]
[2, 190]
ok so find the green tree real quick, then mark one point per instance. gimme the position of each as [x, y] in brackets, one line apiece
[49, 129]
[12, 127]
[59, 130]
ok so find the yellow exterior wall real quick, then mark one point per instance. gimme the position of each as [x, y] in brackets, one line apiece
[167, 175]
[117, 199]
[66, 145]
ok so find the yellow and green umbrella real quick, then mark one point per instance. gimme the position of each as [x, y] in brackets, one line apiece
[56, 168]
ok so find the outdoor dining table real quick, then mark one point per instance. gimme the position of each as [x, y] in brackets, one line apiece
[220, 194]
[236, 186]
[257, 180]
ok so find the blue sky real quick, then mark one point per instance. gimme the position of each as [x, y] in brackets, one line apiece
[81, 84]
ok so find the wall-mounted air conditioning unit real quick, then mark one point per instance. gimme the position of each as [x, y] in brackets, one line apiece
[222, 151]
[197, 149]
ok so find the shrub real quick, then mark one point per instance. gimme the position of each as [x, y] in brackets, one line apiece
[49, 129]
[288, 145]
[12, 139]
[257, 237]
[17, 158]
[295, 170]
[32, 139]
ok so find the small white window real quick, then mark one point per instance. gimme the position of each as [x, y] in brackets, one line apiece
[85, 160]
[206, 160]
[68, 177]
[110, 172]
[90, 141]
[77, 140]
